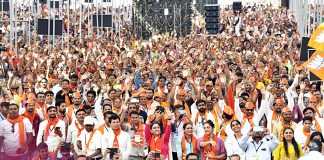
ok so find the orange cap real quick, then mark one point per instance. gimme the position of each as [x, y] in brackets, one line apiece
[31, 95]
[228, 110]
[182, 91]
[280, 101]
[249, 105]
[143, 94]
[110, 66]
[76, 95]
[285, 109]
[313, 98]
[30, 100]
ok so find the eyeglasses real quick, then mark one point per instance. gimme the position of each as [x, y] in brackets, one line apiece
[250, 110]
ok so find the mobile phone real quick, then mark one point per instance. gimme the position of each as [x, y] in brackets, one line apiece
[67, 146]
[57, 128]
[156, 155]
[113, 150]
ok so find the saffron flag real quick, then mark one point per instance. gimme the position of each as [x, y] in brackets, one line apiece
[317, 39]
[315, 64]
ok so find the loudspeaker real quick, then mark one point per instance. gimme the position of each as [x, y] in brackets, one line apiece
[5, 7]
[237, 6]
[304, 49]
[42, 27]
[285, 4]
[212, 13]
[106, 20]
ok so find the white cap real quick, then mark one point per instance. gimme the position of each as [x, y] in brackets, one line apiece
[88, 120]
[257, 129]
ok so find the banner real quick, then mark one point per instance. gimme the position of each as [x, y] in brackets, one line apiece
[317, 39]
[315, 64]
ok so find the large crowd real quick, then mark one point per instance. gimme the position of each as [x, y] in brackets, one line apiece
[240, 94]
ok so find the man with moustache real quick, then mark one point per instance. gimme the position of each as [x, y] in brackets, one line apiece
[61, 108]
[15, 134]
[35, 120]
[200, 117]
[287, 122]
[89, 140]
[261, 145]
[76, 128]
[71, 111]
[52, 130]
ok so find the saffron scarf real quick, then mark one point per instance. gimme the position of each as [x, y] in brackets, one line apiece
[43, 109]
[30, 117]
[307, 134]
[222, 130]
[209, 149]
[66, 97]
[275, 120]
[249, 118]
[19, 120]
[49, 124]
[117, 133]
[138, 132]
[79, 129]
[216, 120]
[193, 144]
[156, 144]
[197, 115]
[88, 142]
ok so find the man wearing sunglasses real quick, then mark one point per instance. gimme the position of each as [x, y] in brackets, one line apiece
[15, 134]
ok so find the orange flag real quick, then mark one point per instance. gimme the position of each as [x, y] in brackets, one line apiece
[315, 64]
[317, 39]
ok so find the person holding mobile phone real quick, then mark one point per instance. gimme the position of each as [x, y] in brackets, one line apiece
[52, 130]
[116, 139]
[89, 140]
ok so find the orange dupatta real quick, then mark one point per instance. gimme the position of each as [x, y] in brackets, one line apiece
[196, 118]
[193, 144]
[274, 120]
[88, 142]
[50, 123]
[19, 120]
[79, 129]
[116, 144]
[222, 130]
[156, 144]
[138, 132]
[209, 149]
[249, 118]
[31, 118]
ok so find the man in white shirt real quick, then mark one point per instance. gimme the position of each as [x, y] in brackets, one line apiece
[15, 134]
[262, 144]
[302, 133]
[117, 139]
[75, 129]
[315, 148]
[89, 140]
[52, 130]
